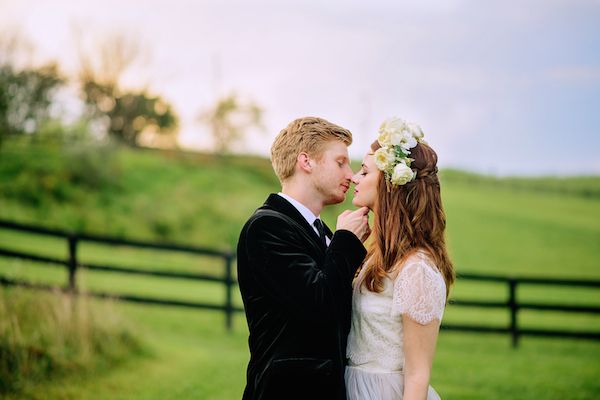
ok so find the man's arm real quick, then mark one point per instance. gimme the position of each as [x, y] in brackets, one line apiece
[287, 272]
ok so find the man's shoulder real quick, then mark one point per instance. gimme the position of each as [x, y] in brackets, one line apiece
[265, 217]
[267, 225]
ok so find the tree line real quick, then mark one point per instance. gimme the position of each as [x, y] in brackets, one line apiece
[29, 98]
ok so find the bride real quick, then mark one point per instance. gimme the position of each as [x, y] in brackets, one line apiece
[400, 292]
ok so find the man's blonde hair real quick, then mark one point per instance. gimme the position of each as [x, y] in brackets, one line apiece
[308, 134]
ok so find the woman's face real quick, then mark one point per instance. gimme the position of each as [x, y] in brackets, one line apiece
[366, 182]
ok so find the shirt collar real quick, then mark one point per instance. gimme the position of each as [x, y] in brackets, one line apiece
[306, 213]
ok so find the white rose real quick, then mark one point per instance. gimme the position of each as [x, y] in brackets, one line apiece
[384, 138]
[396, 137]
[402, 174]
[384, 159]
[415, 130]
[408, 141]
[391, 125]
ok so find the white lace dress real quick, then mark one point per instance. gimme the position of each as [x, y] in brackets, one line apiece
[375, 345]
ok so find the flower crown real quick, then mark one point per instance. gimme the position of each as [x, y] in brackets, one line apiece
[396, 138]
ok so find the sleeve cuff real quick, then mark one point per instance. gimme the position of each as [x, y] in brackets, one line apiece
[346, 242]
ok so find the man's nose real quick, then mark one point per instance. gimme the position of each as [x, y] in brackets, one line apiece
[349, 173]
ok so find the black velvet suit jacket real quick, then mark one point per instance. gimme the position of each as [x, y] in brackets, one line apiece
[297, 296]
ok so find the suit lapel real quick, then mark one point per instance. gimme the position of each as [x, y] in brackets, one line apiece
[328, 231]
[278, 203]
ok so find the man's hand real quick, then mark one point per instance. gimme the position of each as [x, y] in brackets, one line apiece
[356, 222]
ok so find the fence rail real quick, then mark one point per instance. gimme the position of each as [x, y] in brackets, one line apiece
[514, 306]
[73, 264]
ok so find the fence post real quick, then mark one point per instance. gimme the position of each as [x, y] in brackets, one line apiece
[512, 304]
[228, 300]
[72, 263]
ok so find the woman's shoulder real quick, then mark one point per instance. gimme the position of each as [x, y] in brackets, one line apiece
[419, 289]
[418, 260]
[423, 257]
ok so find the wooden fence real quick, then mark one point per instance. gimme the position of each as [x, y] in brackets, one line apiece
[73, 265]
[226, 259]
[514, 306]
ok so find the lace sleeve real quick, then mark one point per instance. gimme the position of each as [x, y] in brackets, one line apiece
[419, 292]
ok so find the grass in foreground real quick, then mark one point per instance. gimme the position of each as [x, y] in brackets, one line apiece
[195, 358]
[51, 335]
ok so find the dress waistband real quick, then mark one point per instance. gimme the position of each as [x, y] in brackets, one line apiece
[370, 369]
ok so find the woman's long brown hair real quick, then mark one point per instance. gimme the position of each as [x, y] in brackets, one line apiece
[408, 218]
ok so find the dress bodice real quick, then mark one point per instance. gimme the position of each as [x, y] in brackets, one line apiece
[376, 336]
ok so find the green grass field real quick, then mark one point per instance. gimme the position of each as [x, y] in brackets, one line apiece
[194, 358]
[546, 227]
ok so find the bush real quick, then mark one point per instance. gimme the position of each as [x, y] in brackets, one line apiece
[45, 335]
[36, 171]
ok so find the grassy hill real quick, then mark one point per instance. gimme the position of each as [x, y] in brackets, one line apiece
[506, 226]
[547, 226]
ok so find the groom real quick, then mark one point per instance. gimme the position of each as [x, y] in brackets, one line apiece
[295, 276]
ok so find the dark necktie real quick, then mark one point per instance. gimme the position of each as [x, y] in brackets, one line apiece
[321, 229]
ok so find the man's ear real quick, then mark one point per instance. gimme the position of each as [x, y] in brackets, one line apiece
[304, 162]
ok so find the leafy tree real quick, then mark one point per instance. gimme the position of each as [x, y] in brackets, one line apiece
[230, 119]
[128, 114]
[26, 97]
[125, 114]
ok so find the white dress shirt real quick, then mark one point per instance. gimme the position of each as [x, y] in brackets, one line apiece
[306, 213]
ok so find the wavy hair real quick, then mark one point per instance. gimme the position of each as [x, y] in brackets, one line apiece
[408, 218]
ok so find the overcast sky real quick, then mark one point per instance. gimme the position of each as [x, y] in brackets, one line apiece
[498, 87]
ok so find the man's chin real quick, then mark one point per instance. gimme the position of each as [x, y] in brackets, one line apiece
[337, 199]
